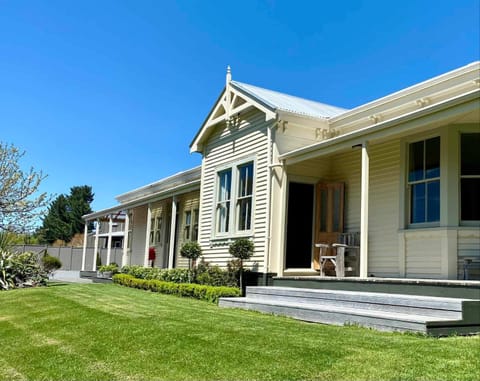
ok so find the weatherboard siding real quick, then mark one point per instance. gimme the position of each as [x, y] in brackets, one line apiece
[186, 202]
[469, 248]
[137, 254]
[246, 141]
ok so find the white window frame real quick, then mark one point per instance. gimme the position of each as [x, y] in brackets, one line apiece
[233, 231]
[156, 223]
[409, 184]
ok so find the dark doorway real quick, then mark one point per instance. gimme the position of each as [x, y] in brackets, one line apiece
[299, 225]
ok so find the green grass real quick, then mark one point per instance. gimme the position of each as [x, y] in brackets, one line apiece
[105, 332]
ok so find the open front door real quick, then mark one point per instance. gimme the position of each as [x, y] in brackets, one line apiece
[329, 201]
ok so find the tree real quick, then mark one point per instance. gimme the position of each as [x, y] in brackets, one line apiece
[20, 202]
[242, 249]
[64, 216]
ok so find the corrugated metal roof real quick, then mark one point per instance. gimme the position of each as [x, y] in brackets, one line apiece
[290, 103]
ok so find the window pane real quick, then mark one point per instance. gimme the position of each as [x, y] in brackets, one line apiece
[223, 217]
[245, 183]
[323, 210]
[470, 154]
[470, 199]
[245, 212]
[415, 171]
[417, 211]
[432, 158]
[433, 201]
[188, 218]
[225, 182]
[336, 210]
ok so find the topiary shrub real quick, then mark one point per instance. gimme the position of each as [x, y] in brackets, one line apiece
[192, 251]
[50, 263]
[242, 249]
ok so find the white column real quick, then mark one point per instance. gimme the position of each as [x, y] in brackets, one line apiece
[364, 212]
[95, 250]
[147, 234]
[84, 253]
[125, 239]
[109, 241]
[173, 223]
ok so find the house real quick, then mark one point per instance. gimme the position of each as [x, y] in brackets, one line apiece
[400, 174]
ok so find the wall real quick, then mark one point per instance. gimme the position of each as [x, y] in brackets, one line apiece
[248, 140]
[186, 202]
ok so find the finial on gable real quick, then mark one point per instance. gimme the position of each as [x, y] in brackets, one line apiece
[229, 74]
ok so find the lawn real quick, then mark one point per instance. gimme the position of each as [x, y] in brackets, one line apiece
[108, 332]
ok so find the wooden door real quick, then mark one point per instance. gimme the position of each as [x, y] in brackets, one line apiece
[329, 205]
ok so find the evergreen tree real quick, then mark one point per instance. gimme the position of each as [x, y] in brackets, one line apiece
[64, 217]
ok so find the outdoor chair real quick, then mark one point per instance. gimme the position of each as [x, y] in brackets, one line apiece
[343, 255]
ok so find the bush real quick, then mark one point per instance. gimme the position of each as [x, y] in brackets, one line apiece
[50, 263]
[197, 291]
[171, 275]
[242, 249]
[192, 251]
[215, 276]
[112, 267]
[20, 270]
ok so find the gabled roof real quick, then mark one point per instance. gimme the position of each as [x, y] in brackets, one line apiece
[237, 97]
[289, 103]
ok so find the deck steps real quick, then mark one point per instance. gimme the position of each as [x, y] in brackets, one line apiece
[388, 312]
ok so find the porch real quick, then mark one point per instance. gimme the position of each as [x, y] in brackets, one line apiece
[434, 307]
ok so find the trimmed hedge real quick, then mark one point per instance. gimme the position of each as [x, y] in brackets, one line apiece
[191, 290]
[171, 275]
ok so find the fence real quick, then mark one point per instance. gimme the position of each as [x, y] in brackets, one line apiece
[71, 257]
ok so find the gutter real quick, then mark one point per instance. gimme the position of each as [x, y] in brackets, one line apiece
[296, 154]
[141, 201]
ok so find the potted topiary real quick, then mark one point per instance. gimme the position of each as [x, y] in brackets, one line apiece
[107, 271]
[192, 251]
[242, 249]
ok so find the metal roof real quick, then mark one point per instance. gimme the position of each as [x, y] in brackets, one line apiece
[289, 103]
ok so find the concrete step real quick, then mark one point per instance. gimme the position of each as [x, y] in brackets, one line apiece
[420, 305]
[386, 312]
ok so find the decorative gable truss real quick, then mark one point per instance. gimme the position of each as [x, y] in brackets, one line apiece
[227, 109]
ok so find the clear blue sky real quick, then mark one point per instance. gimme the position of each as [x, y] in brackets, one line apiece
[111, 93]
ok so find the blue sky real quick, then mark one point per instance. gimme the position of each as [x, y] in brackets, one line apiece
[111, 93]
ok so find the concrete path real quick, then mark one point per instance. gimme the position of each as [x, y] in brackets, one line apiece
[68, 276]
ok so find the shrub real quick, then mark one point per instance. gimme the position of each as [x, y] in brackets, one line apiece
[112, 267]
[242, 249]
[171, 275]
[192, 251]
[20, 270]
[197, 291]
[50, 263]
[215, 276]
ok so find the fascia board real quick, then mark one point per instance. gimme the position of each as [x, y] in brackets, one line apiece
[317, 149]
[465, 73]
[175, 191]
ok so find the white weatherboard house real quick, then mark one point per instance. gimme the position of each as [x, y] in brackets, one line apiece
[397, 179]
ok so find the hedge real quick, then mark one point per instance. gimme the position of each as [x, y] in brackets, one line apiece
[197, 291]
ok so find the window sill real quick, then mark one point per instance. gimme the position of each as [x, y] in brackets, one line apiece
[228, 239]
